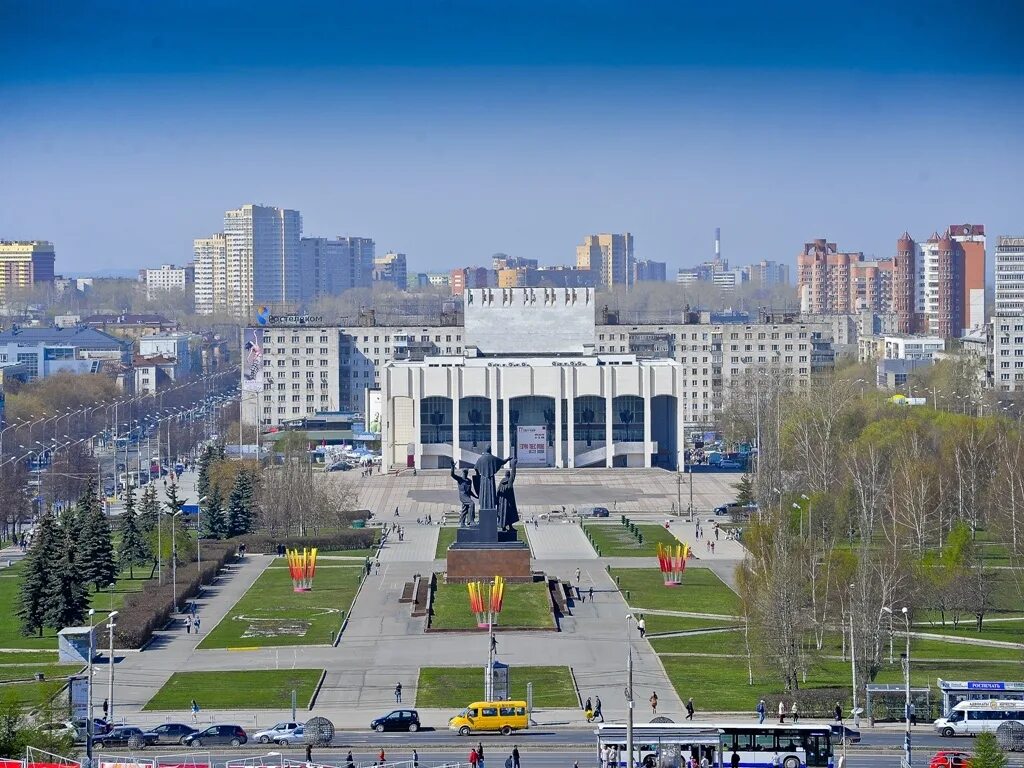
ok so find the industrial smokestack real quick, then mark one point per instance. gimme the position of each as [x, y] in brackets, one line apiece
[718, 243]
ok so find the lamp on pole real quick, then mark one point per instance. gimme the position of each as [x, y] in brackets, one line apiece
[199, 538]
[853, 665]
[174, 564]
[887, 609]
[88, 720]
[906, 681]
[110, 667]
[629, 693]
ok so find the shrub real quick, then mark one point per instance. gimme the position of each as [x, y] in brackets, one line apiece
[341, 540]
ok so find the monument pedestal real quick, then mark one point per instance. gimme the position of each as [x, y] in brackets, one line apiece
[482, 552]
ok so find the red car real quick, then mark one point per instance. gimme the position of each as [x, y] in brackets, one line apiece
[950, 758]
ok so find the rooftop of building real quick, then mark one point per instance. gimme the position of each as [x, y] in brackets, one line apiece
[77, 336]
[127, 319]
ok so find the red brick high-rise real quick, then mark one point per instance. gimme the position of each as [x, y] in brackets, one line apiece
[904, 284]
[971, 239]
[949, 320]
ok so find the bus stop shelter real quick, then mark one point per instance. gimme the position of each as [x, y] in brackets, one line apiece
[888, 701]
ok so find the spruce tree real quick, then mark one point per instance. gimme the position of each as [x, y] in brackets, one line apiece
[203, 478]
[214, 524]
[66, 595]
[239, 518]
[744, 491]
[95, 556]
[149, 509]
[987, 752]
[39, 564]
[132, 550]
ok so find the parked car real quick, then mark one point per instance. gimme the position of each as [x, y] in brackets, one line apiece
[169, 733]
[298, 736]
[217, 735]
[122, 736]
[99, 726]
[844, 734]
[399, 720]
[730, 464]
[60, 729]
[275, 732]
[599, 512]
[950, 758]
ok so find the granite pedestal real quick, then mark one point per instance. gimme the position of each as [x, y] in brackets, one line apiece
[482, 552]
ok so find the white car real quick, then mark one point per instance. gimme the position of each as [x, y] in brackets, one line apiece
[276, 733]
[298, 736]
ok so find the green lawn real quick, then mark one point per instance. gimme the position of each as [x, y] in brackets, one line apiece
[445, 538]
[717, 642]
[657, 623]
[10, 631]
[525, 605]
[272, 614]
[614, 540]
[457, 687]
[252, 689]
[341, 555]
[701, 591]
[28, 657]
[1005, 631]
[26, 671]
[30, 694]
[112, 598]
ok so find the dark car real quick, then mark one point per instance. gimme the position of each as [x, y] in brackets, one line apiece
[122, 736]
[99, 726]
[599, 512]
[169, 733]
[844, 733]
[399, 720]
[232, 735]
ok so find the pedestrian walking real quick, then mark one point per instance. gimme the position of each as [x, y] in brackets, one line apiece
[712, 546]
[597, 708]
[309, 753]
[590, 593]
[106, 708]
[195, 711]
[381, 756]
[794, 712]
[398, 693]
[654, 703]
[782, 711]
[838, 713]
[735, 760]
[415, 759]
[761, 709]
[188, 624]
[642, 626]
[480, 754]
[515, 756]
[605, 756]
[473, 758]
[716, 531]
[589, 709]
[376, 565]
[689, 708]
[349, 762]
[494, 644]
[508, 761]
[578, 575]
[195, 624]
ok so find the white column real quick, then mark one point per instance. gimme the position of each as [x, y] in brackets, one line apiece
[558, 416]
[506, 447]
[570, 420]
[608, 401]
[417, 390]
[492, 375]
[645, 386]
[455, 387]
[677, 385]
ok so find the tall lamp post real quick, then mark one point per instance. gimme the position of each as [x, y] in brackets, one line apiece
[629, 693]
[853, 665]
[88, 720]
[174, 564]
[110, 667]
[906, 681]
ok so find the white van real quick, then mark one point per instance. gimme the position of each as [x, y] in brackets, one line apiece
[969, 718]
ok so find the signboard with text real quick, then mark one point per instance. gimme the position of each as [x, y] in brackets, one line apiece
[252, 350]
[532, 445]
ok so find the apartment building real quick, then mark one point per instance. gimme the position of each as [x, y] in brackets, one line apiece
[262, 257]
[210, 258]
[24, 263]
[391, 268]
[610, 256]
[330, 266]
[831, 281]
[1008, 322]
[648, 271]
[168, 278]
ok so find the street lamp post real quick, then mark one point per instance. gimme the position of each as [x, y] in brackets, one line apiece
[174, 564]
[853, 666]
[88, 718]
[629, 693]
[110, 667]
[906, 682]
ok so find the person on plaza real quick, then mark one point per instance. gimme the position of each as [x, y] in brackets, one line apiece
[508, 761]
[195, 624]
[712, 546]
[642, 626]
[415, 759]
[398, 693]
[605, 756]
[735, 760]
[309, 754]
[188, 624]
[761, 710]
[689, 708]
[597, 708]
[480, 754]
[590, 593]
[106, 708]
[782, 711]
[349, 763]
[515, 756]
[794, 712]
[838, 713]
[473, 758]
[654, 703]
[195, 711]
[578, 575]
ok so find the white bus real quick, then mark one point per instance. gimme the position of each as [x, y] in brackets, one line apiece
[672, 745]
[969, 718]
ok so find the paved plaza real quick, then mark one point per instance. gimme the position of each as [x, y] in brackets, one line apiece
[383, 645]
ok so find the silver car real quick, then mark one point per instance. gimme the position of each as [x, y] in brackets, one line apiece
[276, 733]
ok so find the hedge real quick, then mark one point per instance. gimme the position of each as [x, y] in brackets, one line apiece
[265, 543]
[148, 610]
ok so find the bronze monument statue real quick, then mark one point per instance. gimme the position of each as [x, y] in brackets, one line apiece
[508, 512]
[487, 467]
[467, 516]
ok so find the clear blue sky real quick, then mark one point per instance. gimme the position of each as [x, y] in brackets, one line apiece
[451, 130]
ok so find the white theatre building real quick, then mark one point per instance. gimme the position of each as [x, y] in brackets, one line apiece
[530, 380]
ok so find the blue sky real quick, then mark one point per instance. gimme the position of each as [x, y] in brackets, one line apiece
[451, 130]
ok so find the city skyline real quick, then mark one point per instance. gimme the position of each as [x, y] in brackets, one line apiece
[508, 132]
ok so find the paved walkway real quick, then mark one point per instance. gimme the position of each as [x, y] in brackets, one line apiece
[419, 546]
[559, 540]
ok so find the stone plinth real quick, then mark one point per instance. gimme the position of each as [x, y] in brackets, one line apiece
[483, 562]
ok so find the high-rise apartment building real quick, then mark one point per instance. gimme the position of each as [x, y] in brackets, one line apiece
[210, 258]
[504, 261]
[1010, 276]
[168, 278]
[262, 257]
[971, 239]
[24, 264]
[329, 267]
[609, 256]
[1008, 322]
[766, 274]
[831, 282]
[470, 277]
[391, 268]
[647, 271]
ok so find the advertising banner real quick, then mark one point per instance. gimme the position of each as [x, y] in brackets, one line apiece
[532, 445]
[252, 351]
[374, 406]
[79, 698]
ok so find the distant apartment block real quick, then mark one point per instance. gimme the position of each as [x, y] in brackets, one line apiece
[610, 256]
[971, 239]
[168, 278]
[504, 261]
[210, 259]
[391, 268]
[1008, 322]
[263, 263]
[328, 267]
[1009, 270]
[648, 271]
[470, 277]
[834, 282]
[766, 274]
[24, 264]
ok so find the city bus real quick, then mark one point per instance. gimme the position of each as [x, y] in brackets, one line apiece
[671, 745]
